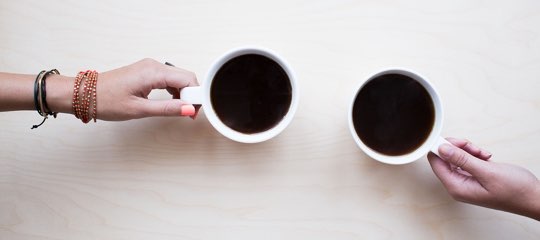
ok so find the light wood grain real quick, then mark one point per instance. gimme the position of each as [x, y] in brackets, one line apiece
[165, 178]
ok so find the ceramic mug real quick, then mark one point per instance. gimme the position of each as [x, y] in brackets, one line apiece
[202, 95]
[433, 141]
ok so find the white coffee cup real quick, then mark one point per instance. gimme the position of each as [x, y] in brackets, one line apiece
[434, 139]
[201, 95]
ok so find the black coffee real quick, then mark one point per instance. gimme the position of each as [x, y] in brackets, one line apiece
[251, 93]
[393, 114]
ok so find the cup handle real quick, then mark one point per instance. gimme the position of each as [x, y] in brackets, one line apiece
[192, 95]
[435, 148]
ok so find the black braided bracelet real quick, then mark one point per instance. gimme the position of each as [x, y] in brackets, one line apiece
[36, 92]
[44, 93]
[40, 96]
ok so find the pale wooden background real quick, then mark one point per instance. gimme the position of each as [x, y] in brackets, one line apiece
[172, 178]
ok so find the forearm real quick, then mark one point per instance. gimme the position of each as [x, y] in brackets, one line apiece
[17, 92]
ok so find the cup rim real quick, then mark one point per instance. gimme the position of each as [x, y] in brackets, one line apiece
[435, 131]
[226, 130]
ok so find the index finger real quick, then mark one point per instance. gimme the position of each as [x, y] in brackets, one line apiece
[197, 106]
[174, 77]
[470, 148]
[452, 180]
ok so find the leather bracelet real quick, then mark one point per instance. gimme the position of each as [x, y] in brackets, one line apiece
[40, 96]
[44, 92]
[36, 92]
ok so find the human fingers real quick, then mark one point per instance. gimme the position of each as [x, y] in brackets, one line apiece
[452, 180]
[448, 173]
[170, 107]
[176, 95]
[469, 147]
[462, 159]
[462, 187]
[160, 76]
[175, 91]
[176, 77]
[442, 169]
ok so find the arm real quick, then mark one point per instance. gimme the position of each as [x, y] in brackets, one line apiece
[122, 93]
[17, 92]
[469, 176]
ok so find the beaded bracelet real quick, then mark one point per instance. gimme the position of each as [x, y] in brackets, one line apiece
[75, 103]
[83, 100]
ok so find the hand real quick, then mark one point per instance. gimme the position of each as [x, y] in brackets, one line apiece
[122, 94]
[469, 176]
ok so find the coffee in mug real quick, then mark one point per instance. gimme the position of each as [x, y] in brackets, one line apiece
[250, 94]
[396, 117]
[393, 114]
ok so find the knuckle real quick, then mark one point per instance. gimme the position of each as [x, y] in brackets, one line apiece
[460, 159]
[468, 144]
[191, 77]
[471, 148]
[148, 61]
[168, 109]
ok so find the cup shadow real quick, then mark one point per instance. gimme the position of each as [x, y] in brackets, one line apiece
[173, 140]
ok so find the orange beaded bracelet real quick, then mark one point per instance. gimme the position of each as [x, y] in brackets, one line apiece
[83, 100]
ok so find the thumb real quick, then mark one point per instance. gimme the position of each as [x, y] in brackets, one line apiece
[170, 107]
[462, 159]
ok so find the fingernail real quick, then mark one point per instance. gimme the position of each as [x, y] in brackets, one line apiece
[446, 150]
[487, 154]
[187, 110]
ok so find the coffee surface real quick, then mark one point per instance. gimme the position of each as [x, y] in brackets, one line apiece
[393, 114]
[251, 93]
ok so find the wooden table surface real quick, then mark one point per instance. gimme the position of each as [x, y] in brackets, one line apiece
[174, 178]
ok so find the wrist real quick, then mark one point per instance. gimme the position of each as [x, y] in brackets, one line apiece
[530, 205]
[535, 202]
[59, 93]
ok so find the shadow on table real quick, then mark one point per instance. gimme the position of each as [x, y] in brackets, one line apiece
[162, 140]
[413, 192]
